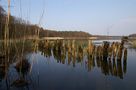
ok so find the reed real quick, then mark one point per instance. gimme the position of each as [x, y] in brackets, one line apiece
[134, 44]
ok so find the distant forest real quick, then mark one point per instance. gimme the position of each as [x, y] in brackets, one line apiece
[19, 28]
[132, 35]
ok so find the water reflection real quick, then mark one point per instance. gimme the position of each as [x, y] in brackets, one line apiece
[22, 67]
[14, 75]
[110, 58]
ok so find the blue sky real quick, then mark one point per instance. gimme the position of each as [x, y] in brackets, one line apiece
[118, 17]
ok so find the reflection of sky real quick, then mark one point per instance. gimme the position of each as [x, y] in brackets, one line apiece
[131, 72]
[64, 76]
[94, 16]
[48, 74]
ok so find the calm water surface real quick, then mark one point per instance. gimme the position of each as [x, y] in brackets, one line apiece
[51, 70]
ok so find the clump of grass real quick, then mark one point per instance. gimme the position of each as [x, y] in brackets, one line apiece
[134, 44]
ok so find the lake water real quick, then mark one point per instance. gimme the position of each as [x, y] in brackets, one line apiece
[64, 69]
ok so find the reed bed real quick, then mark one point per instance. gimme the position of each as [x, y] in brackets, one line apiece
[134, 44]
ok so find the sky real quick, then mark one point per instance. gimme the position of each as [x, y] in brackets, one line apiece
[97, 17]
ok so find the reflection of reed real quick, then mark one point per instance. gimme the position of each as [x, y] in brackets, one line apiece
[14, 54]
[125, 61]
[22, 67]
[45, 48]
[108, 57]
[103, 56]
[109, 67]
[80, 54]
[2, 72]
[112, 66]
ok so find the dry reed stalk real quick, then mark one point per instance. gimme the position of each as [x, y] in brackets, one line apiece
[6, 33]
[6, 41]
[36, 43]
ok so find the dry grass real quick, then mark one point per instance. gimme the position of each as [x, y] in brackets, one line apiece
[134, 44]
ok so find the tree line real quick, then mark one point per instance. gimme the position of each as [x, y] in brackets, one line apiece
[132, 35]
[19, 28]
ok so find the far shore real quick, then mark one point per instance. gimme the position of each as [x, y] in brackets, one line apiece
[69, 38]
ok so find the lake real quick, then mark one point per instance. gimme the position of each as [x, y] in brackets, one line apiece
[66, 65]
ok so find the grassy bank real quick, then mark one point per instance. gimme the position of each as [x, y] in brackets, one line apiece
[133, 43]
